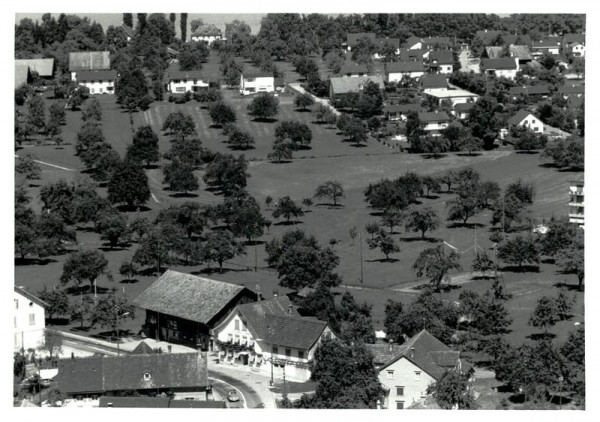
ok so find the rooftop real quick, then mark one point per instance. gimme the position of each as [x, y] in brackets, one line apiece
[96, 75]
[505, 63]
[44, 67]
[89, 60]
[31, 297]
[441, 57]
[353, 67]
[400, 67]
[518, 117]
[344, 85]
[185, 74]
[433, 80]
[450, 93]
[434, 116]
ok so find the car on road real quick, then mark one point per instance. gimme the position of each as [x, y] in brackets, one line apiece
[233, 396]
[46, 382]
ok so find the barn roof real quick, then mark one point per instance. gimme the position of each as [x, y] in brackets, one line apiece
[433, 80]
[345, 85]
[96, 75]
[89, 60]
[505, 63]
[44, 67]
[518, 117]
[401, 67]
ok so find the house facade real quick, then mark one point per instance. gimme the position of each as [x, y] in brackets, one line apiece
[98, 81]
[421, 362]
[576, 203]
[441, 61]
[270, 337]
[527, 120]
[180, 82]
[505, 67]
[29, 320]
[434, 121]
[395, 71]
[455, 96]
[253, 82]
[207, 34]
[183, 308]
[354, 70]
[396, 112]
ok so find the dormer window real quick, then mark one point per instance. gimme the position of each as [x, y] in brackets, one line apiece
[147, 376]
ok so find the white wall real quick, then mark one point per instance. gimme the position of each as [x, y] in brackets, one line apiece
[445, 68]
[254, 85]
[405, 374]
[29, 323]
[397, 76]
[208, 39]
[533, 123]
[436, 125]
[181, 86]
[97, 87]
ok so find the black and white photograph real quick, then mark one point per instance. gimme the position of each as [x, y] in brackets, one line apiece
[299, 209]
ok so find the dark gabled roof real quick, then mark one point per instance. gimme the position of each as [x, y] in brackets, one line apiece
[505, 63]
[291, 331]
[31, 297]
[542, 89]
[440, 41]
[254, 313]
[158, 402]
[573, 38]
[353, 67]
[393, 41]
[402, 108]
[434, 81]
[429, 354]
[256, 74]
[352, 39]
[128, 30]
[401, 67]
[463, 107]
[546, 43]
[521, 52]
[433, 116]
[43, 67]
[568, 89]
[345, 85]
[143, 349]
[21, 75]
[89, 60]
[114, 373]
[411, 41]
[185, 74]
[188, 296]
[383, 352]
[441, 57]
[96, 75]
[416, 53]
[518, 117]
[488, 37]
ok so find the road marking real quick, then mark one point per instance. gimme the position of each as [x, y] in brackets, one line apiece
[238, 390]
[48, 164]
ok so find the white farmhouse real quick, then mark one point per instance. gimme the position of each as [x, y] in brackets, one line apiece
[29, 320]
[98, 81]
[180, 82]
[207, 34]
[252, 82]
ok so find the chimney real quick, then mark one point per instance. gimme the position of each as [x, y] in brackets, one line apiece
[412, 352]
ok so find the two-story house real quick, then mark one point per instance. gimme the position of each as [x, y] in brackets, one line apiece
[434, 121]
[395, 112]
[527, 120]
[506, 67]
[88, 60]
[180, 81]
[252, 82]
[29, 320]
[395, 71]
[433, 81]
[454, 96]
[549, 45]
[207, 34]
[420, 362]
[98, 81]
[574, 44]
[576, 203]
[271, 337]
[441, 61]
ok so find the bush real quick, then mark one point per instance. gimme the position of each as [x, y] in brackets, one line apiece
[171, 98]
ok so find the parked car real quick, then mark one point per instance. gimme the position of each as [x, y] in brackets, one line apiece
[46, 382]
[233, 396]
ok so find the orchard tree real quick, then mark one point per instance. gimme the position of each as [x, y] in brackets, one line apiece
[57, 114]
[112, 226]
[27, 167]
[571, 259]
[470, 144]
[180, 177]
[281, 151]
[332, 190]
[287, 208]
[57, 300]
[263, 107]
[356, 131]
[393, 317]
[545, 314]
[84, 265]
[52, 343]
[128, 269]
[227, 172]
[303, 101]
[241, 140]
[385, 243]
[452, 391]
[222, 114]
[391, 218]
[129, 185]
[422, 220]
[299, 134]
[519, 250]
[432, 184]
[88, 135]
[435, 263]
[189, 151]
[483, 263]
[179, 124]
[92, 112]
[155, 247]
[111, 310]
[192, 55]
[190, 216]
[36, 116]
[144, 149]
[248, 222]
[221, 247]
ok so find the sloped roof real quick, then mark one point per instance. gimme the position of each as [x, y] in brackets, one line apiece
[21, 75]
[488, 37]
[256, 74]
[411, 41]
[44, 67]
[254, 313]
[393, 41]
[571, 38]
[383, 352]
[291, 331]
[441, 57]
[188, 296]
[96, 75]
[414, 54]
[518, 117]
[434, 81]
[342, 85]
[433, 41]
[89, 60]
[429, 354]
[30, 296]
[353, 67]
[463, 107]
[542, 89]
[143, 349]
[546, 43]
[112, 373]
[568, 89]
[521, 52]
[402, 108]
[505, 63]
[400, 67]
[433, 116]
[352, 39]
[158, 402]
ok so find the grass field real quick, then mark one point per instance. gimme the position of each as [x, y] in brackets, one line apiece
[329, 158]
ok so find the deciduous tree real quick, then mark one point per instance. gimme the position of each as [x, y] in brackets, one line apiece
[331, 189]
[435, 263]
[422, 220]
[84, 265]
[263, 107]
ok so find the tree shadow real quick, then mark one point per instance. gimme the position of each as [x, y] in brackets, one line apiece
[522, 269]
[120, 247]
[253, 242]
[133, 208]
[215, 126]
[150, 271]
[129, 281]
[431, 197]
[238, 148]
[434, 156]
[152, 167]
[540, 336]
[264, 120]
[419, 239]
[466, 154]
[86, 289]
[79, 328]
[301, 110]
[465, 225]
[57, 321]
[521, 152]
[548, 166]
[483, 277]
[281, 162]
[329, 205]
[288, 223]
[33, 261]
[84, 229]
[390, 260]
[184, 195]
[572, 287]
[570, 170]
[355, 145]
[216, 270]
[316, 122]
[376, 213]
[548, 261]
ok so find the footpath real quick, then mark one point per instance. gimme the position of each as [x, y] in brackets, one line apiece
[298, 88]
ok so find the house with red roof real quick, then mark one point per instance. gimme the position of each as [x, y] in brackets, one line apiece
[270, 337]
[419, 362]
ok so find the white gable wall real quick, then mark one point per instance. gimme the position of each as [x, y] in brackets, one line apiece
[532, 123]
[404, 374]
[250, 85]
[29, 323]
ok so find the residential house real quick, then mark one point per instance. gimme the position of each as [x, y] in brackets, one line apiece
[22, 75]
[571, 90]
[433, 81]
[207, 33]
[549, 45]
[495, 37]
[525, 119]
[394, 112]
[383, 352]
[395, 71]
[574, 44]
[413, 43]
[436, 43]
[98, 81]
[252, 82]
[421, 362]
[532, 92]
[462, 110]
[414, 54]
[340, 86]
[454, 96]
[353, 69]
[576, 204]
[441, 61]
[29, 320]
[183, 308]
[88, 60]
[382, 42]
[43, 67]
[181, 81]
[159, 403]
[352, 39]
[185, 374]
[521, 52]
[506, 67]
[270, 337]
[434, 121]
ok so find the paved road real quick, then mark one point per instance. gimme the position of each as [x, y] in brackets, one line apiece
[252, 399]
[221, 388]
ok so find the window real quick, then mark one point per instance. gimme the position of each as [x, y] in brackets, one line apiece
[288, 352]
[390, 375]
[275, 350]
[180, 89]
[31, 319]
[399, 391]
[237, 324]
[399, 405]
[536, 129]
[147, 376]
[301, 354]
[250, 80]
[16, 303]
[418, 374]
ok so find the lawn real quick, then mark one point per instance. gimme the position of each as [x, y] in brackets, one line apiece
[329, 158]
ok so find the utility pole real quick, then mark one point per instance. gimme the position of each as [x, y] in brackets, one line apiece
[361, 257]
[255, 258]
